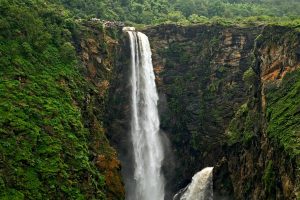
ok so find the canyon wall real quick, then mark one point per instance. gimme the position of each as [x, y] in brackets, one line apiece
[229, 98]
[98, 49]
[218, 90]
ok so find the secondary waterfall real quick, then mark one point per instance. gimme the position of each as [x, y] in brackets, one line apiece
[201, 187]
[147, 146]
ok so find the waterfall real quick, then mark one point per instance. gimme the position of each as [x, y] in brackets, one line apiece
[201, 187]
[147, 146]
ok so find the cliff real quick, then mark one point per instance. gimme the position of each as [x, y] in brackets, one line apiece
[97, 48]
[53, 143]
[229, 98]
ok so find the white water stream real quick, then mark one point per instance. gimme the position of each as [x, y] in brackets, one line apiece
[201, 187]
[147, 145]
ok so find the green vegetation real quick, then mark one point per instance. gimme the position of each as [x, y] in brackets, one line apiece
[269, 178]
[182, 11]
[283, 113]
[48, 148]
[44, 144]
[241, 127]
[249, 76]
[246, 119]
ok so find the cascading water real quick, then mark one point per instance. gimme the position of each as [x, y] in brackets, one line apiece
[147, 146]
[201, 187]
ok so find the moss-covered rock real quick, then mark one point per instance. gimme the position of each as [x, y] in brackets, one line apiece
[51, 132]
[213, 83]
[200, 80]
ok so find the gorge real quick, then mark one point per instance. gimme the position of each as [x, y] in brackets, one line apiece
[210, 81]
[85, 113]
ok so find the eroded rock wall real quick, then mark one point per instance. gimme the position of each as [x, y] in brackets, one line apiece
[200, 78]
[216, 106]
[212, 82]
[98, 48]
[262, 159]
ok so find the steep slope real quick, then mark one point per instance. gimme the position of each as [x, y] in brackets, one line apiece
[52, 142]
[214, 84]
[270, 159]
[200, 74]
[229, 98]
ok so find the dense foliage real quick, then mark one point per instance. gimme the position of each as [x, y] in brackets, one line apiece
[283, 113]
[44, 143]
[158, 11]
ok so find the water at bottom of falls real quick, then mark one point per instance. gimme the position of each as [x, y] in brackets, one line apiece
[201, 187]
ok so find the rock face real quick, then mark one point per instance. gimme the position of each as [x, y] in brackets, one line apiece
[265, 160]
[220, 89]
[200, 74]
[97, 49]
[212, 82]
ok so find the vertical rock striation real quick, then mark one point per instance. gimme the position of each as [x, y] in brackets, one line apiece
[214, 85]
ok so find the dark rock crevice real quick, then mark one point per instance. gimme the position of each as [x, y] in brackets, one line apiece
[212, 84]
